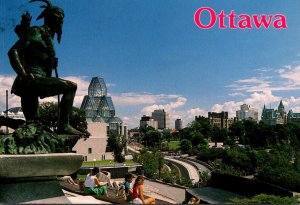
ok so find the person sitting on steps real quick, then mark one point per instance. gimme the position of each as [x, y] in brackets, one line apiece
[93, 186]
[128, 190]
[138, 193]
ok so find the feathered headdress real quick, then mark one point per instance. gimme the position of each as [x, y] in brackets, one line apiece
[48, 8]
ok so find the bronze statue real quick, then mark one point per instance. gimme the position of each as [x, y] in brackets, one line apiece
[33, 59]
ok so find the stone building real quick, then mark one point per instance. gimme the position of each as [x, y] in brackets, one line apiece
[220, 119]
[274, 117]
[293, 117]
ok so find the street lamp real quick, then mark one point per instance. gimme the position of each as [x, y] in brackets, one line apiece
[94, 161]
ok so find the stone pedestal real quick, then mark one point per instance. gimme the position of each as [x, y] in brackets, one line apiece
[32, 178]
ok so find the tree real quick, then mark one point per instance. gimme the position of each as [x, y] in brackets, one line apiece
[152, 162]
[116, 143]
[152, 138]
[185, 145]
[48, 112]
[219, 134]
[236, 131]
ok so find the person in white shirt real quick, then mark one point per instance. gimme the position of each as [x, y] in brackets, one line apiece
[93, 186]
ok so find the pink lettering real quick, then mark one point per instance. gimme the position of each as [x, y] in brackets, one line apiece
[281, 22]
[221, 20]
[213, 17]
[231, 19]
[263, 20]
[244, 21]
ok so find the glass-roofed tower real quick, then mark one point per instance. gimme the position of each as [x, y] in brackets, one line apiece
[100, 116]
[98, 106]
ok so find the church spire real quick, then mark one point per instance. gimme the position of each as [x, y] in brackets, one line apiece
[280, 107]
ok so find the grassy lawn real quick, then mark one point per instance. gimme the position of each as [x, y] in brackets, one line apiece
[104, 162]
[173, 145]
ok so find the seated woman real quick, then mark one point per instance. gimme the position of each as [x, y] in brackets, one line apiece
[92, 184]
[138, 193]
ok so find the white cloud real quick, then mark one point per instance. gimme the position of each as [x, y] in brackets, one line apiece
[263, 69]
[133, 99]
[109, 85]
[236, 94]
[252, 84]
[180, 101]
[132, 121]
[292, 75]
[229, 107]
[196, 112]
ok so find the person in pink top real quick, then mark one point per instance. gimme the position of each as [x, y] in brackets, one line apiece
[138, 193]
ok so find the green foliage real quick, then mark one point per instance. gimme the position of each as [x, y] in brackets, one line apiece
[204, 177]
[266, 199]
[241, 159]
[222, 168]
[153, 138]
[7, 145]
[152, 162]
[185, 145]
[207, 154]
[48, 112]
[219, 134]
[297, 162]
[170, 177]
[116, 143]
[186, 182]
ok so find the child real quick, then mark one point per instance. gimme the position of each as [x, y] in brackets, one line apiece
[128, 190]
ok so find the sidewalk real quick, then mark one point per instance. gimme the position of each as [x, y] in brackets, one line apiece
[164, 192]
[79, 199]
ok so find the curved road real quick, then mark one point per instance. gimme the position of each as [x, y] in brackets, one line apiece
[193, 172]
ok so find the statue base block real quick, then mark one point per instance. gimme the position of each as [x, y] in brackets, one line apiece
[32, 178]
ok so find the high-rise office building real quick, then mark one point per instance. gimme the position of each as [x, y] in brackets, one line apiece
[178, 124]
[162, 118]
[148, 121]
[247, 113]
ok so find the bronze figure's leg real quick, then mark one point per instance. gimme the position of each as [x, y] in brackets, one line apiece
[30, 107]
[66, 106]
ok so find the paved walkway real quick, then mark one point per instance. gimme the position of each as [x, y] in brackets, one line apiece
[164, 192]
[200, 167]
[175, 194]
[193, 172]
[79, 199]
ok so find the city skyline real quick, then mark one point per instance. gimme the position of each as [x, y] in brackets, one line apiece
[153, 56]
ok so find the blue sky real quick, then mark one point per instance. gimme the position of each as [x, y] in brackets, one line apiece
[153, 56]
